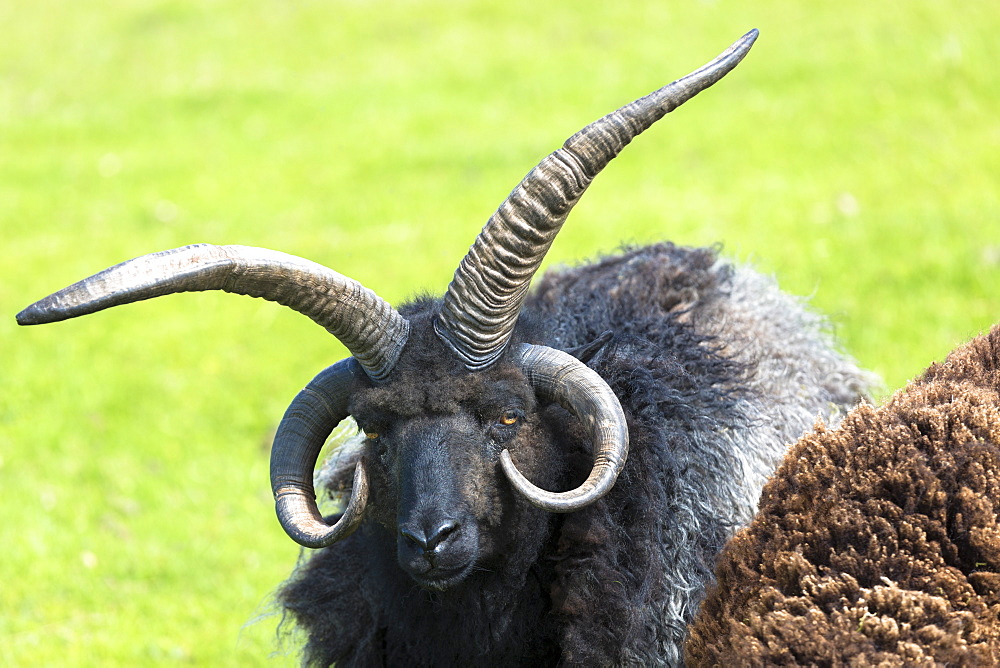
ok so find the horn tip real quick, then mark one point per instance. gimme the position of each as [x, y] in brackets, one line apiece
[39, 314]
[743, 44]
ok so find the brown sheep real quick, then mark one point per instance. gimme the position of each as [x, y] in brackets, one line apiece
[878, 542]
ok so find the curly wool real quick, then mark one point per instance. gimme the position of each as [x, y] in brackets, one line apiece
[878, 542]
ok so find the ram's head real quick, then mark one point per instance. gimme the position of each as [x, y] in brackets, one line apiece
[445, 399]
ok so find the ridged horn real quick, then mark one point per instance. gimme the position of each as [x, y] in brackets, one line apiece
[560, 377]
[367, 325]
[491, 283]
[303, 430]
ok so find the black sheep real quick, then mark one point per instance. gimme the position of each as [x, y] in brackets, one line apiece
[445, 553]
[618, 580]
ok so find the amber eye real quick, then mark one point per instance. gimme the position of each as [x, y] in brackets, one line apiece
[371, 435]
[508, 418]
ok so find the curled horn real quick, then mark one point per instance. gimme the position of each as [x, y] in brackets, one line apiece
[491, 283]
[371, 329]
[307, 423]
[560, 377]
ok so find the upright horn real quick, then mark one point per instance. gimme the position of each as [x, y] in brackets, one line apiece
[366, 324]
[491, 283]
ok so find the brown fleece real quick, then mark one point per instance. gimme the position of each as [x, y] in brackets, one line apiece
[876, 543]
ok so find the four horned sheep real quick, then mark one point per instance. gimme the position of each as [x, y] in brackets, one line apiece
[654, 391]
[877, 542]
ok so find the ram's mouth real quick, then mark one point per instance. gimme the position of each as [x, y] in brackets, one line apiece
[440, 579]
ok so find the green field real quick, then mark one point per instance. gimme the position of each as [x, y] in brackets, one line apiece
[855, 154]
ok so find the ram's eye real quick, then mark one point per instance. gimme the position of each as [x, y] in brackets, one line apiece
[509, 418]
[371, 435]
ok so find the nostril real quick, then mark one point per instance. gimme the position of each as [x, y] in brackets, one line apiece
[444, 530]
[415, 536]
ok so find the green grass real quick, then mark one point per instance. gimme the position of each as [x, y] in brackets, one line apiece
[855, 154]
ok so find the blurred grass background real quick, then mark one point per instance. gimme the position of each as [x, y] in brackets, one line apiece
[855, 154]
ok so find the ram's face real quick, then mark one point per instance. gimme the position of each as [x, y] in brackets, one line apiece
[434, 459]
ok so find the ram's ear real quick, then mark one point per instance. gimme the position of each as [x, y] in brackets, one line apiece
[588, 351]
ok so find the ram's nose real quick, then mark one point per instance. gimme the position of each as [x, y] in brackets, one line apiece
[429, 540]
[436, 553]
